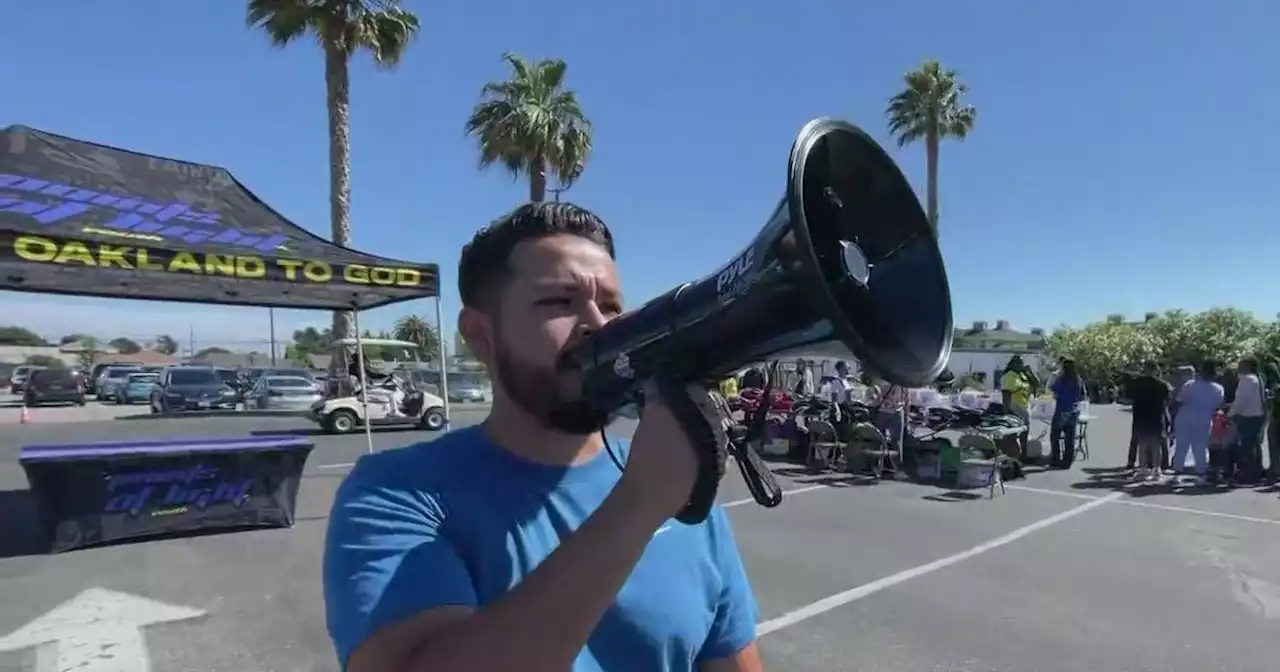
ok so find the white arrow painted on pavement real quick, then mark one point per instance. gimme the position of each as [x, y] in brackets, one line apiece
[98, 630]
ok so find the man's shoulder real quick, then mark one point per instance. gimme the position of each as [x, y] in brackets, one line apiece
[437, 460]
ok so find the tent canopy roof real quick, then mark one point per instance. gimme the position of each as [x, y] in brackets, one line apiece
[86, 219]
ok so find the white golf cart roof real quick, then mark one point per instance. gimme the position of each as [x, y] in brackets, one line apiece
[351, 342]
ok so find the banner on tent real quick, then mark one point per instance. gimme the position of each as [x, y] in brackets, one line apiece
[94, 254]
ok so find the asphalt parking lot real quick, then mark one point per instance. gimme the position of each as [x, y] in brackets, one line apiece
[1066, 571]
[93, 411]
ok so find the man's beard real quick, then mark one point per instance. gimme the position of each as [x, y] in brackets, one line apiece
[536, 389]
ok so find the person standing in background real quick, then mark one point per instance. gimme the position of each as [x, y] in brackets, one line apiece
[729, 387]
[1248, 414]
[837, 388]
[1150, 397]
[891, 413]
[804, 380]
[1068, 391]
[1198, 400]
[1015, 391]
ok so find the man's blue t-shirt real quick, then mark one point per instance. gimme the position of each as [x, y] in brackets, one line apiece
[460, 521]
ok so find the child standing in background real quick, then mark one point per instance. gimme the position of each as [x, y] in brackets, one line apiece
[1218, 458]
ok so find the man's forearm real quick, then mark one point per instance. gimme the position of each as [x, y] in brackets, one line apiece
[545, 621]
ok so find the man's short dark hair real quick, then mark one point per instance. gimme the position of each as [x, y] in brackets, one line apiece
[483, 268]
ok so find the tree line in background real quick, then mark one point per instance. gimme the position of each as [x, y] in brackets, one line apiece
[1107, 351]
[530, 123]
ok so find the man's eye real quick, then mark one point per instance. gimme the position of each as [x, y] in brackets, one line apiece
[555, 302]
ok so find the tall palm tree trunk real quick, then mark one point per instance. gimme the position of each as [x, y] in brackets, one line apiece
[538, 180]
[337, 88]
[931, 183]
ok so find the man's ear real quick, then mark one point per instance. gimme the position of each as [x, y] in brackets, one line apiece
[476, 328]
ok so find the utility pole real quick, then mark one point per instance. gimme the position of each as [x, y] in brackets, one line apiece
[272, 313]
[191, 340]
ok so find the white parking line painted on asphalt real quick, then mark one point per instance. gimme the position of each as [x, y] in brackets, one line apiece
[1152, 505]
[339, 465]
[849, 596]
[785, 493]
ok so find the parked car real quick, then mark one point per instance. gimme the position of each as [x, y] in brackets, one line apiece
[282, 393]
[467, 392]
[234, 379]
[18, 378]
[112, 378]
[53, 386]
[91, 380]
[288, 371]
[191, 388]
[136, 388]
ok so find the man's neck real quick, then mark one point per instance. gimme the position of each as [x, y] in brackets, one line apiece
[521, 434]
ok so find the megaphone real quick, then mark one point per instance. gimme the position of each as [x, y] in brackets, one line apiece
[847, 263]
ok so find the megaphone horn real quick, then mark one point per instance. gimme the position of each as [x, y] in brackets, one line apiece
[846, 264]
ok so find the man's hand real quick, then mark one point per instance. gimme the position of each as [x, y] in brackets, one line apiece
[664, 465]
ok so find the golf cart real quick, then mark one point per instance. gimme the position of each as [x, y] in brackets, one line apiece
[390, 394]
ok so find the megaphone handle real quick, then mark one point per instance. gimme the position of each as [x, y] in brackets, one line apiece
[702, 421]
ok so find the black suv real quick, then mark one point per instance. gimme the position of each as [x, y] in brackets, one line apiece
[54, 386]
[191, 388]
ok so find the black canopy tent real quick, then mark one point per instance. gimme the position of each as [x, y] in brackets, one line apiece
[135, 226]
[79, 218]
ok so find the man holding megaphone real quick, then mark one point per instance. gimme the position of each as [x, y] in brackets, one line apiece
[521, 544]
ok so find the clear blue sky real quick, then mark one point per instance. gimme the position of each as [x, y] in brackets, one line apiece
[1124, 158]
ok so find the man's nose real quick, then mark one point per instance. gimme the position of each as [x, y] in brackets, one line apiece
[592, 318]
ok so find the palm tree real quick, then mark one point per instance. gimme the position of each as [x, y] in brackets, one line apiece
[416, 330]
[342, 27]
[531, 125]
[930, 107]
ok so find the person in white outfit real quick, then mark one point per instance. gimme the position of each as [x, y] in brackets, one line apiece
[837, 389]
[1198, 400]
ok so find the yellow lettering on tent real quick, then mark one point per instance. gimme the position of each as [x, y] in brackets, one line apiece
[77, 252]
[250, 267]
[47, 250]
[184, 262]
[381, 275]
[114, 255]
[35, 248]
[317, 271]
[220, 264]
[290, 268]
[145, 263]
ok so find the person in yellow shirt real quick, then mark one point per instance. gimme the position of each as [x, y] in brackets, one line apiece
[729, 387]
[1015, 392]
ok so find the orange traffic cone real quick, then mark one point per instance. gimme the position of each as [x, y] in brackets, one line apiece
[26, 415]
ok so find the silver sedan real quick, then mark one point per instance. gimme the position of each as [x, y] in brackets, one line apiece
[282, 393]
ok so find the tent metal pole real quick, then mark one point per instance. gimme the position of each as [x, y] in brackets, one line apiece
[444, 367]
[364, 385]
